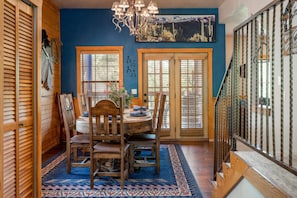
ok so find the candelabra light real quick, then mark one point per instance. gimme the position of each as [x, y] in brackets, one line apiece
[134, 15]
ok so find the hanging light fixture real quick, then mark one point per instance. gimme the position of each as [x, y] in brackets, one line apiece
[134, 15]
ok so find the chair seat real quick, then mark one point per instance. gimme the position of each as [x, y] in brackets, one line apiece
[82, 139]
[108, 148]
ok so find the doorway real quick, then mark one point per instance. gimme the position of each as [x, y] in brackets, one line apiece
[183, 77]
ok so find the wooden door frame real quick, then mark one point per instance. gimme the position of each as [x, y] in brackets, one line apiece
[209, 51]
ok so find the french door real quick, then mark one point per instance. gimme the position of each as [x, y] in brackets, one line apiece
[183, 78]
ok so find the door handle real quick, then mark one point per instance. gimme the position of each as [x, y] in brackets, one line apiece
[21, 125]
[145, 98]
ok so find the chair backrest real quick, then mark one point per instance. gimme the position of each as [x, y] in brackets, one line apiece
[68, 112]
[156, 108]
[161, 112]
[82, 103]
[106, 121]
[60, 112]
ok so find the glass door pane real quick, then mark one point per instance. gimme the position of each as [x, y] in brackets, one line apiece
[158, 81]
[191, 97]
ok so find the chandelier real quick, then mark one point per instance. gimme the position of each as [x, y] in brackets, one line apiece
[134, 15]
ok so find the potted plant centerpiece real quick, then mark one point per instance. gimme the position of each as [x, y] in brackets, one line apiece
[116, 92]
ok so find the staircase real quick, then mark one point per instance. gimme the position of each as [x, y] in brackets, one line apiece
[255, 106]
[249, 174]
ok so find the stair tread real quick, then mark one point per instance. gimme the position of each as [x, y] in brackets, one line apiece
[274, 173]
[214, 184]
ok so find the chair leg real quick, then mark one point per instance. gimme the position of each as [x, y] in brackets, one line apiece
[122, 172]
[75, 154]
[91, 173]
[127, 164]
[131, 159]
[158, 159]
[68, 153]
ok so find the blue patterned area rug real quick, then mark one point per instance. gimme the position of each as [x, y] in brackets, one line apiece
[175, 179]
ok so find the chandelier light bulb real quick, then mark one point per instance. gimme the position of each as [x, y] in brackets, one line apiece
[139, 4]
[152, 6]
[124, 4]
[115, 6]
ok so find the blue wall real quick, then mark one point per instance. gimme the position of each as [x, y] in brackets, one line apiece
[93, 27]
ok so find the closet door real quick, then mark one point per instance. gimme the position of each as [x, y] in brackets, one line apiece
[17, 106]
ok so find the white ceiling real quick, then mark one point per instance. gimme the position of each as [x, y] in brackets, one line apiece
[89, 4]
[229, 19]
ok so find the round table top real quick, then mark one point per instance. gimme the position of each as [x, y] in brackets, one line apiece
[82, 123]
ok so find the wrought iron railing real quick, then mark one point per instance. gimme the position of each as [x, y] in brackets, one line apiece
[257, 100]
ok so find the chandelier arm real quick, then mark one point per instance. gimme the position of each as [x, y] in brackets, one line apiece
[129, 23]
[116, 22]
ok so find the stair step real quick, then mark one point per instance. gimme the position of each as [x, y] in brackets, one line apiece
[228, 164]
[214, 184]
[221, 175]
[220, 178]
[227, 169]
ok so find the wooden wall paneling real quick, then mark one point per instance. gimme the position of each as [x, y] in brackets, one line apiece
[49, 105]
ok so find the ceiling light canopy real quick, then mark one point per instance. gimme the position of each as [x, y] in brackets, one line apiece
[134, 15]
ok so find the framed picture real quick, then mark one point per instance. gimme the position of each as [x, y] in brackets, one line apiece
[179, 28]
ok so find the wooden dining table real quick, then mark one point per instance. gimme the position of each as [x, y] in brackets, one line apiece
[132, 124]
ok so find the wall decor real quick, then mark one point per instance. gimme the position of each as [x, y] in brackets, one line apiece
[131, 67]
[179, 28]
[292, 43]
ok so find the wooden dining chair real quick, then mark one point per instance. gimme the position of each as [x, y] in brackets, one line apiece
[156, 108]
[76, 143]
[61, 121]
[148, 142]
[82, 104]
[154, 124]
[108, 149]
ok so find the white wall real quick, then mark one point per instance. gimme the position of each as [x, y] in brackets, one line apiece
[245, 190]
[232, 13]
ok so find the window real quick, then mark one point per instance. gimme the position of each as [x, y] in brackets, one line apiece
[97, 67]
